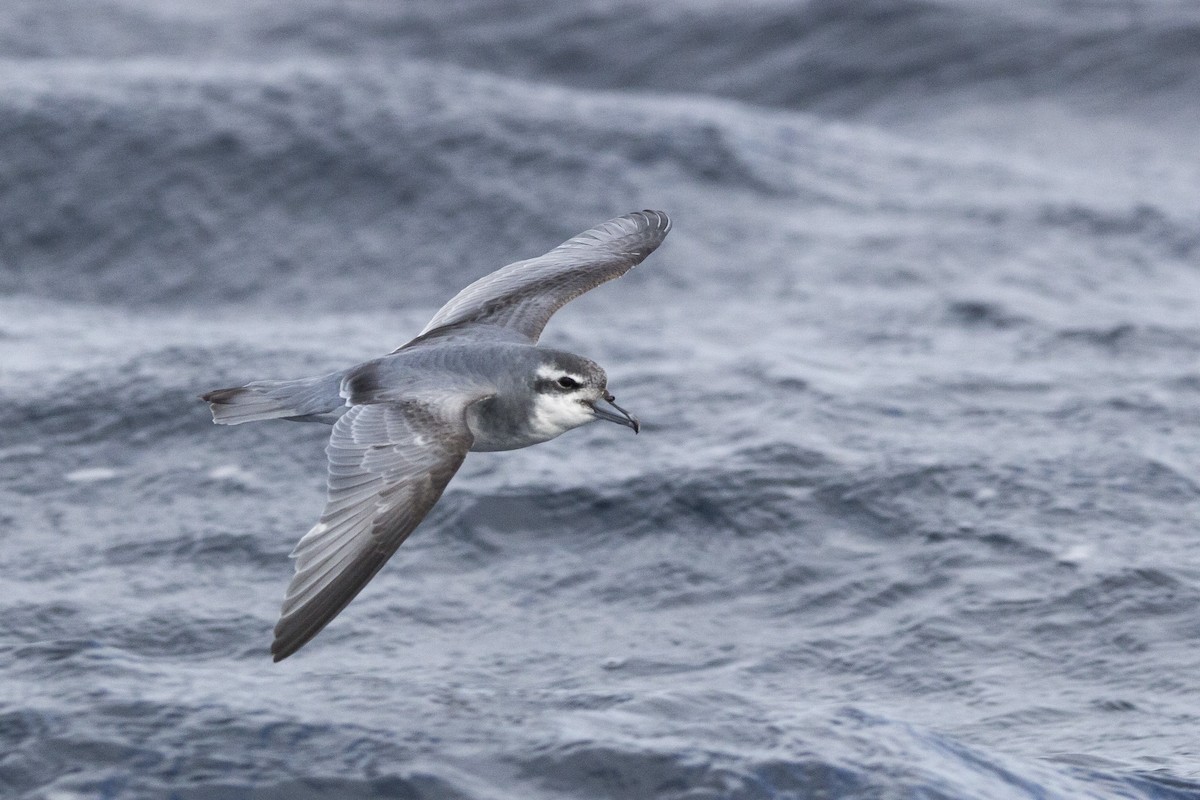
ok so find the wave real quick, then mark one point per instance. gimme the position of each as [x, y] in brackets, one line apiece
[169, 184]
[359, 187]
[197, 750]
[826, 54]
[806, 754]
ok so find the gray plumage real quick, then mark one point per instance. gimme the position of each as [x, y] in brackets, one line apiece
[474, 379]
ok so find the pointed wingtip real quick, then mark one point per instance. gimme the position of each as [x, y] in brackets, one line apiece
[650, 220]
[279, 651]
[662, 222]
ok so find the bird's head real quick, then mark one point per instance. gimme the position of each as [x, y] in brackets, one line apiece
[568, 392]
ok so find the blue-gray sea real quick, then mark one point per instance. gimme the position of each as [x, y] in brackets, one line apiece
[914, 510]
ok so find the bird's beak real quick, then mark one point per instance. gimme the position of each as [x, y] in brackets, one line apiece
[624, 418]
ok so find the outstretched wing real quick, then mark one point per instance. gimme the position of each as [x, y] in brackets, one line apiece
[523, 296]
[388, 465]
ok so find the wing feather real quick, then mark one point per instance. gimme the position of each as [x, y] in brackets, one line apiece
[522, 297]
[388, 465]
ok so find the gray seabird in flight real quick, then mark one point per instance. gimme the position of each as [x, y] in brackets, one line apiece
[474, 379]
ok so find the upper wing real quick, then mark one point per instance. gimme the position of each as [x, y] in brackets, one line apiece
[523, 296]
[388, 465]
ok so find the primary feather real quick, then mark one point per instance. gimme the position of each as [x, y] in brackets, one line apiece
[523, 296]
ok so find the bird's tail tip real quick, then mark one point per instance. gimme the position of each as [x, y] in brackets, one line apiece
[306, 398]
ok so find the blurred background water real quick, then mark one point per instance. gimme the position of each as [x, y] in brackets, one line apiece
[913, 513]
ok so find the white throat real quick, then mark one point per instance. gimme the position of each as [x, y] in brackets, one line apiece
[555, 414]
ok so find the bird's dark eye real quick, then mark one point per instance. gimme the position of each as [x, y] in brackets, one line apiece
[568, 382]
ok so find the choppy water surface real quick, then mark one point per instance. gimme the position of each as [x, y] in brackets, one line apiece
[913, 513]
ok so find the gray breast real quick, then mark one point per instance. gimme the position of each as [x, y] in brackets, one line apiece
[502, 420]
[500, 423]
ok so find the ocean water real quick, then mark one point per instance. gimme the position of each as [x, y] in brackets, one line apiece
[913, 513]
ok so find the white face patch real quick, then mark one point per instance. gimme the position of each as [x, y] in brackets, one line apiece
[555, 414]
